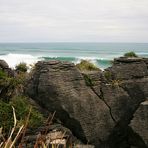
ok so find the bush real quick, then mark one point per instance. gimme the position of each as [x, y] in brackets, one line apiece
[86, 65]
[130, 54]
[88, 80]
[108, 75]
[22, 109]
[6, 116]
[2, 74]
[22, 67]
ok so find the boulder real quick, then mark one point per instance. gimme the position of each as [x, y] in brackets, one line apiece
[128, 68]
[3, 64]
[59, 86]
[5, 67]
[96, 106]
[139, 123]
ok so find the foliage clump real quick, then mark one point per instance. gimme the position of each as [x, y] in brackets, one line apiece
[88, 80]
[108, 75]
[2, 74]
[85, 65]
[22, 67]
[6, 116]
[22, 109]
[130, 54]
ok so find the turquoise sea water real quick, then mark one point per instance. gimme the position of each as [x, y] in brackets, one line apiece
[99, 53]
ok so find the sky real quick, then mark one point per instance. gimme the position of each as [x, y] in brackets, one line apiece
[73, 20]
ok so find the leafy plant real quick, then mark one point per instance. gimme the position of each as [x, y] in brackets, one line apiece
[130, 54]
[22, 108]
[85, 65]
[22, 67]
[2, 74]
[6, 119]
[88, 80]
[108, 75]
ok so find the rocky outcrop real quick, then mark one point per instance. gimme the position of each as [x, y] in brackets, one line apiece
[59, 86]
[139, 123]
[98, 107]
[5, 67]
[5, 74]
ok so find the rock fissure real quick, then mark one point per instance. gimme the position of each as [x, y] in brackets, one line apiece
[101, 96]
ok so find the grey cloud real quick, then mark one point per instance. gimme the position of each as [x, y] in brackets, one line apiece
[74, 20]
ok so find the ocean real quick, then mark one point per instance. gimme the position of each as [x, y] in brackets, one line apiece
[101, 54]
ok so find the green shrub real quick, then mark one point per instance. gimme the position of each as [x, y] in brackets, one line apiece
[130, 54]
[22, 67]
[88, 80]
[86, 65]
[108, 75]
[22, 109]
[2, 74]
[6, 116]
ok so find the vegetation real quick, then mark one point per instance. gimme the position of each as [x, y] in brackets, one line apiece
[130, 54]
[116, 83]
[85, 65]
[88, 80]
[22, 67]
[6, 120]
[108, 75]
[22, 107]
[2, 74]
[11, 95]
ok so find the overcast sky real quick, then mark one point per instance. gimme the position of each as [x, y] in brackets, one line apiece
[74, 20]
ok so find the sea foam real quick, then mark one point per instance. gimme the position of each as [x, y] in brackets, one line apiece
[14, 59]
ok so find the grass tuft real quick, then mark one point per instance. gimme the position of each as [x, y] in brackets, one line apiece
[85, 65]
[130, 54]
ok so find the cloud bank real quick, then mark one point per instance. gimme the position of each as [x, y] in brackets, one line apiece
[74, 20]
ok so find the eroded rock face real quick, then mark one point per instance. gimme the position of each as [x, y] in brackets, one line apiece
[59, 86]
[139, 123]
[98, 112]
[5, 67]
[128, 68]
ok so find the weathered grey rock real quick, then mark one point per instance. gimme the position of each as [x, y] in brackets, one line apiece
[84, 146]
[3, 64]
[128, 68]
[139, 123]
[59, 86]
[127, 60]
[98, 108]
[5, 67]
[123, 92]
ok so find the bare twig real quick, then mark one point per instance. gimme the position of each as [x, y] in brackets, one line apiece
[49, 122]
[16, 137]
[25, 127]
[13, 129]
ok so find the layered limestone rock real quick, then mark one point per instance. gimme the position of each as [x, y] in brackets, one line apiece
[59, 86]
[97, 107]
[125, 87]
[139, 123]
